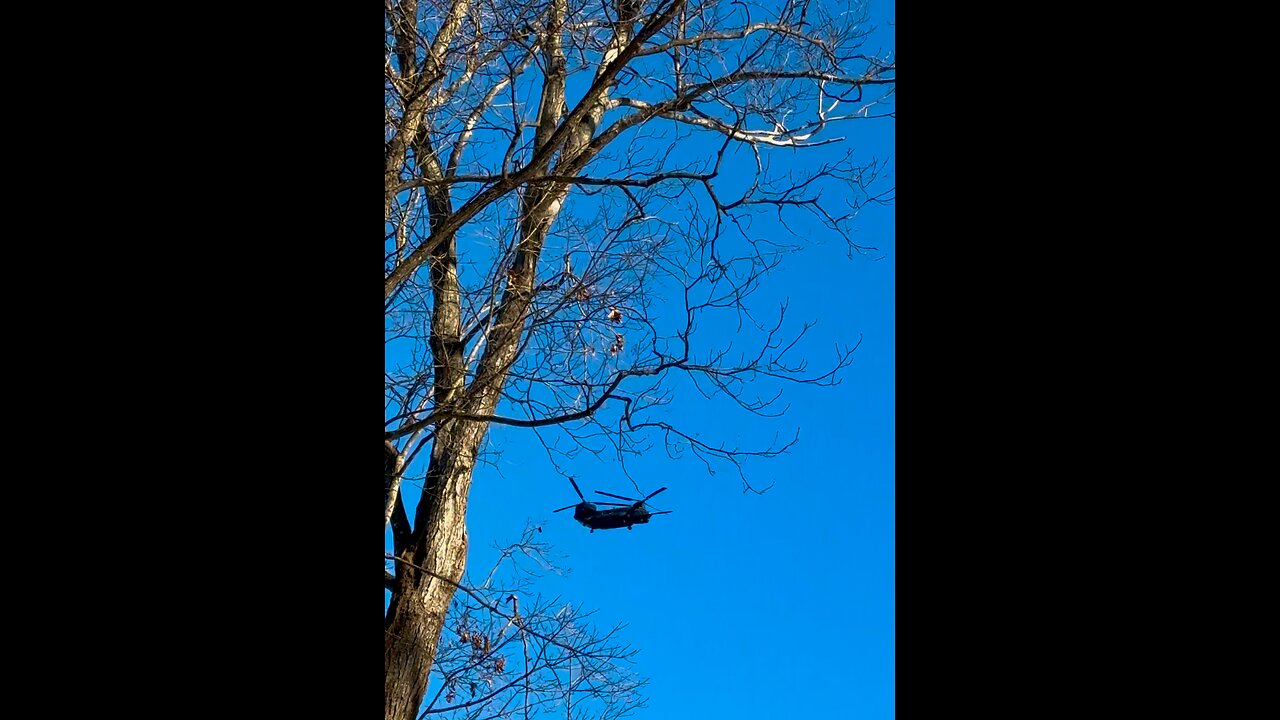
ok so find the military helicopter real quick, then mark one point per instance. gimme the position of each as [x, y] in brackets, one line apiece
[625, 515]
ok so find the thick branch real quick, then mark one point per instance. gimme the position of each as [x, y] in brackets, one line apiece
[642, 182]
[442, 414]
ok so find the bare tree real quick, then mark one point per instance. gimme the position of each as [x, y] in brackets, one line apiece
[572, 188]
[500, 657]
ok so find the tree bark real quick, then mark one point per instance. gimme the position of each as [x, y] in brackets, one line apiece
[409, 645]
[426, 583]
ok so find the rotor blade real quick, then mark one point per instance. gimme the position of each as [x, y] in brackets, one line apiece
[617, 496]
[564, 508]
[655, 492]
[575, 489]
[662, 512]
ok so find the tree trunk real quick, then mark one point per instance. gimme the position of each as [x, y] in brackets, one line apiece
[438, 549]
[409, 645]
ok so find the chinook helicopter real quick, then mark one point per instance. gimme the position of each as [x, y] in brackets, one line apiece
[625, 515]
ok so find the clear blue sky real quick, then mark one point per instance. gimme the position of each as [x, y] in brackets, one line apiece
[743, 606]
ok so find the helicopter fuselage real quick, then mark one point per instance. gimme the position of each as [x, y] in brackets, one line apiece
[611, 519]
